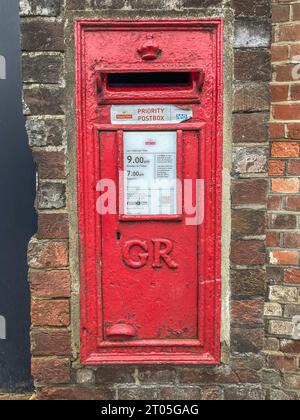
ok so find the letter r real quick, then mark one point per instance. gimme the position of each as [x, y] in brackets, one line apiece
[162, 251]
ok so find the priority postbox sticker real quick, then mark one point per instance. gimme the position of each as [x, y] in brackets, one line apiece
[149, 114]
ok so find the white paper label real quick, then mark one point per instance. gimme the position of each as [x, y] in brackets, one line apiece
[149, 114]
[150, 166]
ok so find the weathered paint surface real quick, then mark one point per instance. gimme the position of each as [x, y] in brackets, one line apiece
[150, 289]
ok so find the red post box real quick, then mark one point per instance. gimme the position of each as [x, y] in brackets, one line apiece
[149, 106]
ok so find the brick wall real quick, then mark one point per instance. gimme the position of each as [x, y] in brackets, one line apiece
[283, 237]
[252, 365]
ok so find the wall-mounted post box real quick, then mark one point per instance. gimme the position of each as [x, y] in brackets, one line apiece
[149, 112]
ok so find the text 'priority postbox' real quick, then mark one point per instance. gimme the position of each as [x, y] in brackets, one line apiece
[149, 107]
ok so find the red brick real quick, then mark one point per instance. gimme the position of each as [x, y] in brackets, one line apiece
[248, 282]
[294, 131]
[288, 346]
[285, 149]
[75, 394]
[294, 167]
[46, 254]
[247, 311]
[53, 226]
[242, 8]
[289, 33]
[293, 203]
[248, 222]
[284, 73]
[288, 186]
[275, 202]
[276, 167]
[280, 13]
[283, 221]
[246, 101]
[51, 342]
[41, 35]
[252, 191]
[50, 284]
[51, 165]
[51, 370]
[250, 128]
[252, 65]
[292, 276]
[286, 112]
[47, 313]
[295, 92]
[247, 340]
[283, 257]
[273, 239]
[281, 363]
[296, 11]
[248, 252]
[280, 53]
[295, 50]
[277, 131]
[279, 93]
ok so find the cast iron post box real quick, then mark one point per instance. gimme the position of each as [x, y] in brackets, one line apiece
[149, 107]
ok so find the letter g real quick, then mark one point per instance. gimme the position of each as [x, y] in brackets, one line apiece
[142, 256]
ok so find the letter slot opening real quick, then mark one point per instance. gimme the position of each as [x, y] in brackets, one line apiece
[155, 80]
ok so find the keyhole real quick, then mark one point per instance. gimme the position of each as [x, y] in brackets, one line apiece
[118, 236]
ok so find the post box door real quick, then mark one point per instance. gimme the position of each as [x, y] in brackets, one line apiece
[156, 283]
[149, 271]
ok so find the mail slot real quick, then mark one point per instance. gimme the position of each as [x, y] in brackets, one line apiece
[149, 107]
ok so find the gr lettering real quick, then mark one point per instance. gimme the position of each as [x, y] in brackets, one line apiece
[136, 253]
